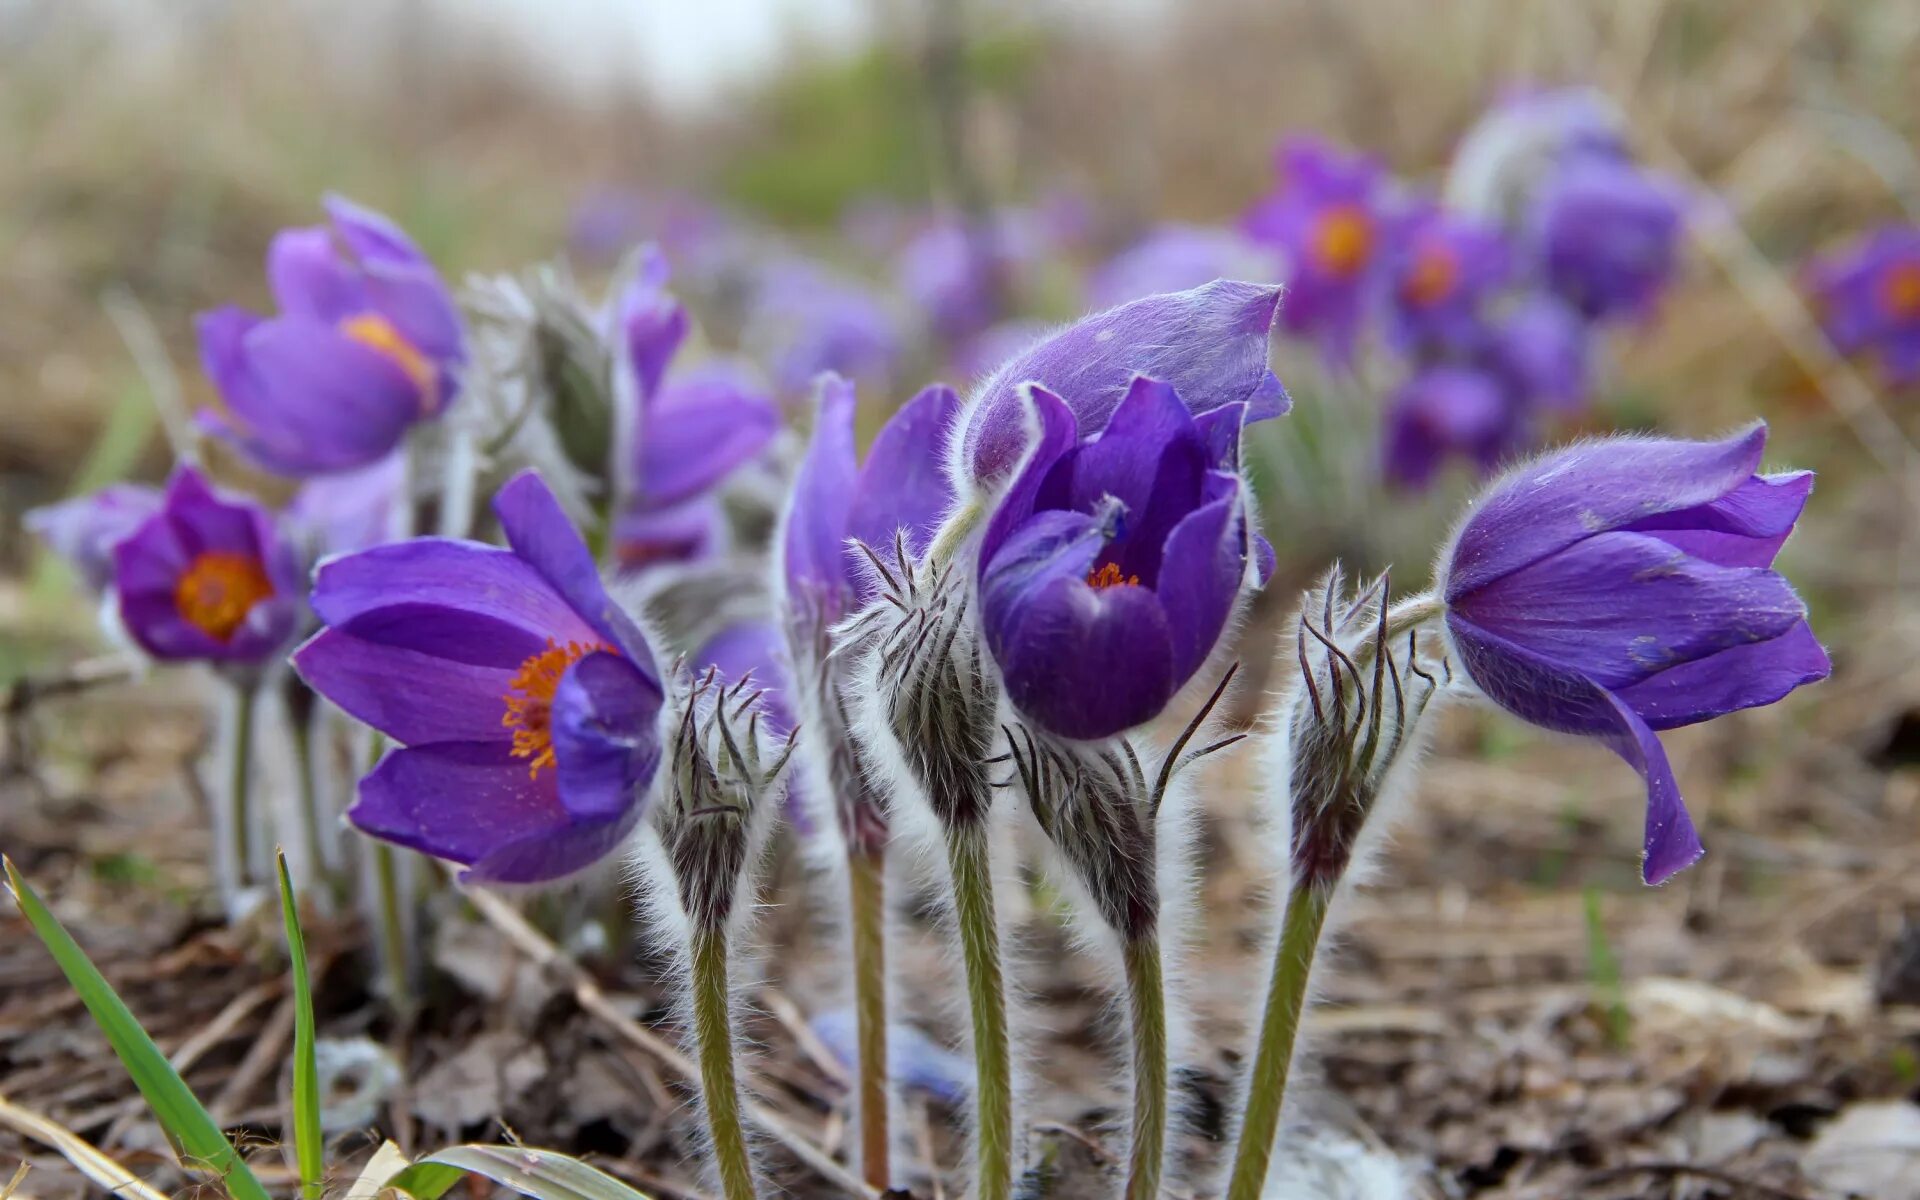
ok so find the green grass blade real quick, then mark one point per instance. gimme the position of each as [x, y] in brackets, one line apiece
[308, 1145]
[195, 1137]
[542, 1174]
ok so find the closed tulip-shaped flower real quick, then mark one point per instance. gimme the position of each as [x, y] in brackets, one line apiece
[1625, 586]
[1110, 569]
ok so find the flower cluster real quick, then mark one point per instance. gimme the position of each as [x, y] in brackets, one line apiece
[1868, 300]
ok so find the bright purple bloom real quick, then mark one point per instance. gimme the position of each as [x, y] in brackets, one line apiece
[1446, 411]
[85, 529]
[1327, 216]
[806, 322]
[1624, 586]
[1110, 568]
[1208, 345]
[1441, 271]
[902, 486]
[1608, 235]
[207, 577]
[693, 428]
[524, 697]
[1175, 257]
[1868, 298]
[367, 342]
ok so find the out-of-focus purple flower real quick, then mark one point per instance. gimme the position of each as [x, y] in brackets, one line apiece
[1174, 258]
[207, 577]
[1209, 345]
[366, 343]
[806, 322]
[1442, 269]
[524, 697]
[1444, 411]
[955, 272]
[753, 648]
[1327, 217]
[914, 1060]
[608, 221]
[1539, 347]
[902, 486]
[693, 428]
[1608, 236]
[1111, 566]
[354, 510]
[85, 529]
[997, 344]
[1868, 299]
[1624, 586]
[1524, 137]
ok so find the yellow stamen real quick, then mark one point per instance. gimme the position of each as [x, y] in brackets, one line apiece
[1900, 291]
[1108, 575]
[529, 700]
[1432, 279]
[1343, 240]
[217, 591]
[378, 334]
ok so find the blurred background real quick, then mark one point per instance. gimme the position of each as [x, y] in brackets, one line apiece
[1517, 1015]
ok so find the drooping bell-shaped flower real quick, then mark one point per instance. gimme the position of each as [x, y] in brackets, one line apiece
[367, 343]
[84, 530]
[1868, 300]
[208, 577]
[1111, 567]
[525, 699]
[1625, 586]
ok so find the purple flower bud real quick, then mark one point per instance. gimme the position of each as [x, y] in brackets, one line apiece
[1868, 299]
[1624, 586]
[207, 577]
[524, 697]
[1539, 347]
[85, 529]
[366, 343]
[1209, 345]
[1441, 270]
[1445, 411]
[1173, 258]
[1609, 236]
[1110, 568]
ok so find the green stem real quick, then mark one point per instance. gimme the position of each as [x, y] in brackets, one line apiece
[867, 896]
[987, 997]
[1147, 1019]
[713, 1033]
[393, 927]
[240, 785]
[1279, 1029]
[309, 792]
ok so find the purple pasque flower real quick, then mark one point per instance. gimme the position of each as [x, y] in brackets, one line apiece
[1522, 139]
[806, 321]
[523, 697]
[1441, 270]
[902, 487]
[752, 649]
[1111, 566]
[1608, 234]
[207, 577]
[692, 428]
[1868, 299]
[1209, 345]
[1327, 216]
[1444, 411]
[1174, 257]
[956, 270]
[1624, 586]
[85, 529]
[1540, 348]
[366, 343]
[354, 510]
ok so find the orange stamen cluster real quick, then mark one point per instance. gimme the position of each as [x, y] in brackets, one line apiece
[529, 700]
[1900, 291]
[1343, 240]
[378, 334]
[1108, 575]
[1435, 273]
[217, 591]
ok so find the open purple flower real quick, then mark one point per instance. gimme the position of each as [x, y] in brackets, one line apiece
[692, 430]
[1110, 568]
[1609, 235]
[1174, 257]
[524, 698]
[1442, 269]
[1327, 216]
[1209, 345]
[1624, 586]
[902, 486]
[85, 529]
[207, 577]
[366, 343]
[1868, 298]
[1447, 411]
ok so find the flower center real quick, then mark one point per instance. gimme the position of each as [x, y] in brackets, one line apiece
[218, 589]
[378, 334]
[1900, 291]
[1108, 575]
[1343, 240]
[529, 700]
[1432, 279]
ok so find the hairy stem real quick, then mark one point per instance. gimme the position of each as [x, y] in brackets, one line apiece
[987, 998]
[1279, 1029]
[1147, 1022]
[393, 927]
[719, 1086]
[309, 787]
[867, 874]
[240, 786]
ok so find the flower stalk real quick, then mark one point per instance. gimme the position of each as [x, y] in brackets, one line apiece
[1147, 1023]
[866, 874]
[1306, 916]
[719, 1084]
[239, 839]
